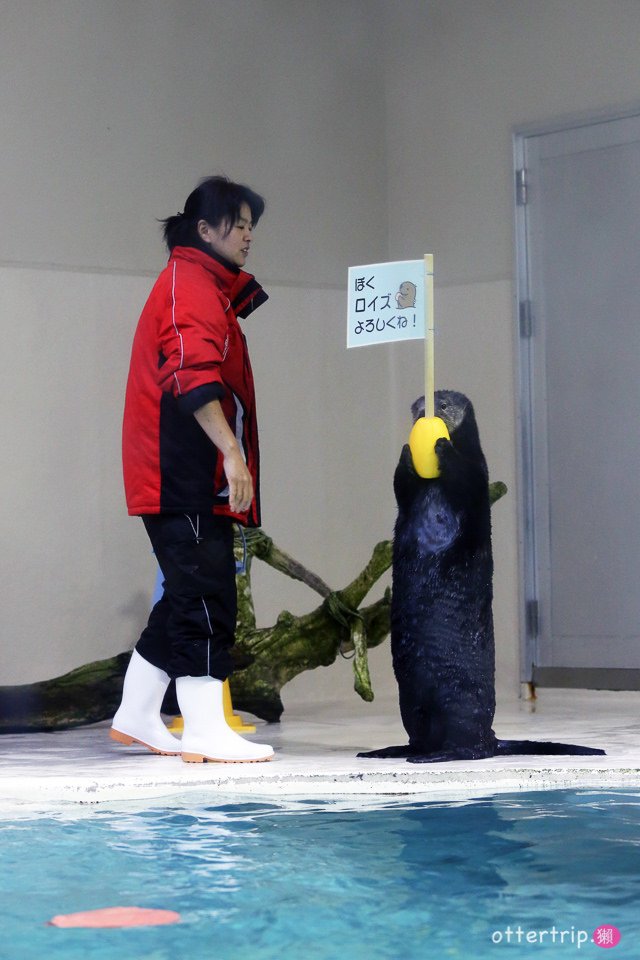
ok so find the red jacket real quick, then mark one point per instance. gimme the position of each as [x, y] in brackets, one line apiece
[189, 349]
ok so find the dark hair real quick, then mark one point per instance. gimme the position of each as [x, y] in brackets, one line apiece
[217, 200]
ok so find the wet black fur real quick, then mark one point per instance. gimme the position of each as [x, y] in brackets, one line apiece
[442, 638]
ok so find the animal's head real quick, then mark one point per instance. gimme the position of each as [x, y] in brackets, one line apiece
[457, 412]
[437, 508]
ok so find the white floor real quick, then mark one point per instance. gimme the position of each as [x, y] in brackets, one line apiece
[316, 757]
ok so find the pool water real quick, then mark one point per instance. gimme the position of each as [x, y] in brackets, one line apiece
[330, 880]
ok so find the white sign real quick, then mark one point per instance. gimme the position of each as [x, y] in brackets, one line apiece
[386, 303]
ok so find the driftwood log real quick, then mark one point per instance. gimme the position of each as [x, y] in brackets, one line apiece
[266, 658]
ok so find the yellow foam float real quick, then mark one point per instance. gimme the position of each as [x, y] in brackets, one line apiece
[424, 435]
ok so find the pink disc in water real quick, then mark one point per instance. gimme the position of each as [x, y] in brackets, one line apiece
[116, 917]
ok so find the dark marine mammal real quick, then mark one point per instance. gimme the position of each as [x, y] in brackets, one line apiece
[442, 639]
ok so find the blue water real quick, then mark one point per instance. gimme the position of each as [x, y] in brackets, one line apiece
[329, 881]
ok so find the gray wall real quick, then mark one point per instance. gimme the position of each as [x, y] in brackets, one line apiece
[113, 109]
[376, 131]
[461, 75]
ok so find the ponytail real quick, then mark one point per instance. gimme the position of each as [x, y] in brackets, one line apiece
[179, 231]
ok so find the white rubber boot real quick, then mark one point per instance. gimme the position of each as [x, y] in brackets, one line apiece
[207, 735]
[138, 717]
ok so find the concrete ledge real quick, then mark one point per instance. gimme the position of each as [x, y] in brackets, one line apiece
[316, 757]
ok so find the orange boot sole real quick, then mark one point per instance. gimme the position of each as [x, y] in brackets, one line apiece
[128, 740]
[201, 758]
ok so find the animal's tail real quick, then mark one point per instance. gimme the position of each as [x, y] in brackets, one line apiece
[512, 748]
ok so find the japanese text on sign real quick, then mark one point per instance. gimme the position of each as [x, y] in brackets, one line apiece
[386, 303]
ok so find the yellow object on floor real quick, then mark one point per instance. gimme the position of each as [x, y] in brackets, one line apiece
[233, 719]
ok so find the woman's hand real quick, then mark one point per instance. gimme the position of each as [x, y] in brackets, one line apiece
[213, 422]
[239, 480]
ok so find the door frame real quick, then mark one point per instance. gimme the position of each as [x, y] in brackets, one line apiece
[528, 551]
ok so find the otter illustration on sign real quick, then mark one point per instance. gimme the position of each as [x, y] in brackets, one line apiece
[442, 639]
[406, 295]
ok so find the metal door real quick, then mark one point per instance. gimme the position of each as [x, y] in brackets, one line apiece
[578, 247]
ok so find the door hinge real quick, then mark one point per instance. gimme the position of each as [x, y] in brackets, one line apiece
[532, 618]
[526, 319]
[522, 187]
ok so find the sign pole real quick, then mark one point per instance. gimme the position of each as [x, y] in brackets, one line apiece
[429, 365]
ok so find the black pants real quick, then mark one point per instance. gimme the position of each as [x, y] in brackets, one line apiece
[191, 629]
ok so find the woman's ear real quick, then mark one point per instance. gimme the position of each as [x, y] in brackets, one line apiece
[203, 229]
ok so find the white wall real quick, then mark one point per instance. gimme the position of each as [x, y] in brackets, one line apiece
[376, 130]
[75, 571]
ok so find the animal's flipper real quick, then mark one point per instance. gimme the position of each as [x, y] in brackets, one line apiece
[513, 748]
[450, 755]
[406, 481]
[386, 753]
